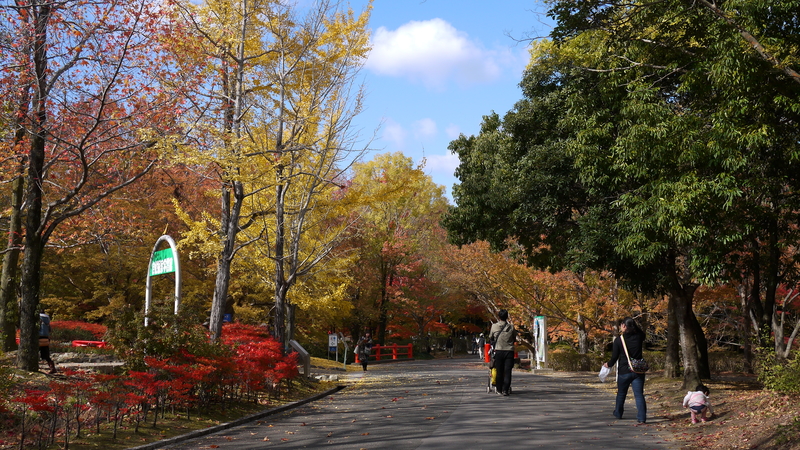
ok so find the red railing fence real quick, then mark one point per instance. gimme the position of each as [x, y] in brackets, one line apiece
[393, 351]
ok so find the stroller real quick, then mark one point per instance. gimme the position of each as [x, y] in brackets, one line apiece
[491, 385]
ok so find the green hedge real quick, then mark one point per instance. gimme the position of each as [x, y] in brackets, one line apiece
[780, 375]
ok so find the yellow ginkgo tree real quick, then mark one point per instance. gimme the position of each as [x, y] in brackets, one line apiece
[273, 127]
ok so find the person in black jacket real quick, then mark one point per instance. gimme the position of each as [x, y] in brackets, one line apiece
[634, 340]
[363, 349]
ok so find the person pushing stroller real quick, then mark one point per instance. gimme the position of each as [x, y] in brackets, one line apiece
[503, 336]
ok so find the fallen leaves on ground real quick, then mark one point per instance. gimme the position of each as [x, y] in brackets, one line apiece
[745, 416]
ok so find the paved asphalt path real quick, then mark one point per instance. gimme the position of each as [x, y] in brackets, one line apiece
[443, 404]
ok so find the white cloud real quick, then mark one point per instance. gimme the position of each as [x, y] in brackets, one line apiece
[452, 131]
[425, 128]
[434, 53]
[394, 133]
[444, 164]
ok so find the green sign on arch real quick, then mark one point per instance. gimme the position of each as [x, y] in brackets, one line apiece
[163, 262]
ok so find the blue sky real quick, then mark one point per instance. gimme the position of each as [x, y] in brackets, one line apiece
[437, 67]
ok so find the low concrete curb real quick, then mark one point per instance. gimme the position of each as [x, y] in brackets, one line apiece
[206, 431]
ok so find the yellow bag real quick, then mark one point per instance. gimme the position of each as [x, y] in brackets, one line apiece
[494, 376]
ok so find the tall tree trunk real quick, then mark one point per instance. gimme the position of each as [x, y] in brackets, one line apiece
[233, 88]
[703, 367]
[756, 306]
[9, 311]
[229, 228]
[281, 285]
[746, 336]
[772, 279]
[583, 335]
[683, 293]
[291, 310]
[691, 370]
[28, 354]
[672, 361]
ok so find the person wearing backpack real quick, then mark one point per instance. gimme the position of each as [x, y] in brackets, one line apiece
[44, 339]
[621, 354]
[504, 336]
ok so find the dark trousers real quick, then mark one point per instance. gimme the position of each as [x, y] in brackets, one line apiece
[635, 381]
[44, 350]
[504, 362]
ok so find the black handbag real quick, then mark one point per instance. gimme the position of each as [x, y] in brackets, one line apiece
[636, 365]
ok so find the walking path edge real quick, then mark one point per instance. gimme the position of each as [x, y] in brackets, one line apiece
[234, 423]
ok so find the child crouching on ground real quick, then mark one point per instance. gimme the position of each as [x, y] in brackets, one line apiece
[698, 403]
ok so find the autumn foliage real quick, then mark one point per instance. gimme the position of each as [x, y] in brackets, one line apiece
[68, 327]
[250, 366]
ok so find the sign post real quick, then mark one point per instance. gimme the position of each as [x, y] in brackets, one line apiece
[333, 345]
[540, 337]
[161, 262]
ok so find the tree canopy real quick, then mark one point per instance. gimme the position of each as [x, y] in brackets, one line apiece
[654, 140]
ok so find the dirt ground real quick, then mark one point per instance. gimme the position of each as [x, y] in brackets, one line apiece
[745, 416]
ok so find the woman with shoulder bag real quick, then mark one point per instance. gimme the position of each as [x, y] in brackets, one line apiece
[627, 353]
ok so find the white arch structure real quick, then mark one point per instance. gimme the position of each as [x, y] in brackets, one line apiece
[164, 265]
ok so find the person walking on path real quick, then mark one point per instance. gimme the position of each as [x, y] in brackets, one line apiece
[363, 349]
[481, 344]
[449, 346]
[44, 339]
[634, 340]
[504, 336]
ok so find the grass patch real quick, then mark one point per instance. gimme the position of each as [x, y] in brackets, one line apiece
[330, 364]
[169, 426]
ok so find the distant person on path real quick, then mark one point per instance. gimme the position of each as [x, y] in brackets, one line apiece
[634, 340]
[504, 336]
[698, 403]
[449, 346]
[481, 344]
[363, 349]
[475, 345]
[44, 339]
